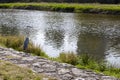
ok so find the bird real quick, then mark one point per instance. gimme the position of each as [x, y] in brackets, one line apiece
[26, 42]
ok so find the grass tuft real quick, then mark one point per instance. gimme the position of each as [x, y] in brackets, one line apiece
[16, 42]
[68, 57]
[86, 61]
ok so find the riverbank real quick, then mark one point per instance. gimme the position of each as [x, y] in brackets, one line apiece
[66, 7]
[60, 71]
[82, 62]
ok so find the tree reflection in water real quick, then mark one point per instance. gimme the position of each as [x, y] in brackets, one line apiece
[92, 44]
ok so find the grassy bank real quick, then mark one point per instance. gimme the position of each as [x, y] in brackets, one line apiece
[83, 61]
[87, 62]
[10, 71]
[16, 42]
[66, 7]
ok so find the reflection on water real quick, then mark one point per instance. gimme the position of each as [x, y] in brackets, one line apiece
[97, 35]
[8, 25]
[54, 37]
[6, 30]
[92, 44]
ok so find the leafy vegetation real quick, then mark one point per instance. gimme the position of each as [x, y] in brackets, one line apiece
[66, 7]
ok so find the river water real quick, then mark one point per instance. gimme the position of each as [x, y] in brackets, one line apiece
[56, 32]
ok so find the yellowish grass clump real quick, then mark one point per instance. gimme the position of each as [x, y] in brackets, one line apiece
[10, 71]
[16, 42]
[68, 57]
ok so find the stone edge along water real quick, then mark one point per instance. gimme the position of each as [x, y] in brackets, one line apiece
[60, 71]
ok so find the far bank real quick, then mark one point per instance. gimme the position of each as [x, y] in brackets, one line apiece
[66, 7]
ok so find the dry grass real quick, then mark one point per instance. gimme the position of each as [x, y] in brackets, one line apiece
[10, 71]
[68, 57]
[16, 42]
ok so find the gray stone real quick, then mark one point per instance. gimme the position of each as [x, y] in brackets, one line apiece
[39, 70]
[49, 68]
[65, 65]
[51, 74]
[108, 78]
[67, 77]
[62, 71]
[42, 63]
[77, 72]
[45, 79]
[36, 65]
[79, 78]
[28, 58]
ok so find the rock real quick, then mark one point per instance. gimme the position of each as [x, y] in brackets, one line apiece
[28, 58]
[79, 78]
[66, 77]
[51, 74]
[61, 71]
[36, 65]
[77, 72]
[65, 65]
[108, 78]
[45, 79]
[49, 68]
[38, 70]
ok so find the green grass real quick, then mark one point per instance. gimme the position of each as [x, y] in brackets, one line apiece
[10, 71]
[68, 57]
[88, 62]
[66, 7]
[16, 42]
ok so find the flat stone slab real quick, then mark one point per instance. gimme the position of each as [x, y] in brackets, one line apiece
[61, 71]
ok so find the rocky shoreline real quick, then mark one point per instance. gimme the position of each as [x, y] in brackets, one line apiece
[60, 71]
